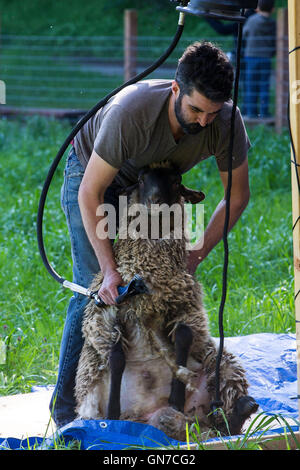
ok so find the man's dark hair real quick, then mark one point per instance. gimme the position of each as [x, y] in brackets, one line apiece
[207, 69]
[266, 5]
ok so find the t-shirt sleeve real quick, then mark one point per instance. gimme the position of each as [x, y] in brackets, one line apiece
[116, 139]
[246, 28]
[241, 144]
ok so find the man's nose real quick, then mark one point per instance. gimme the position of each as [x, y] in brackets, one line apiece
[203, 119]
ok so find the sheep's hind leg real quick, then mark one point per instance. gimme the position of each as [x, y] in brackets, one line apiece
[244, 407]
[183, 341]
[236, 403]
[117, 366]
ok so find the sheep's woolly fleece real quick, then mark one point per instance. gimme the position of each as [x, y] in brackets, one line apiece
[175, 297]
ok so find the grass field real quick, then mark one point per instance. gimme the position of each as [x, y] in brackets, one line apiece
[97, 17]
[51, 51]
[33, 306]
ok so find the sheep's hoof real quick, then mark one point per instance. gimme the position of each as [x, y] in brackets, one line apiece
[170, 421]
[244, 407]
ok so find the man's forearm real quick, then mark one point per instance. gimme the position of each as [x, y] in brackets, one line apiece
[214, 231]
[102, 245]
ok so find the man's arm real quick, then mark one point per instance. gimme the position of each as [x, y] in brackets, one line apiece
[239, 198]
[97, 177]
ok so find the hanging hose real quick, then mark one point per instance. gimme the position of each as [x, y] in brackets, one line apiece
[217, 403]
[73, 133]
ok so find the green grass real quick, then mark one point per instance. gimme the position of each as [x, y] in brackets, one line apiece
[42, 73]
[52, 68]
[98, 17]
[260, 274]
[33, 305]
[256, 436]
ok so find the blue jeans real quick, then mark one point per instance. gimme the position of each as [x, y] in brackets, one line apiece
[257, 86]
[85, 266]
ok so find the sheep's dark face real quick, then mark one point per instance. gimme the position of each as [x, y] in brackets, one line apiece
[159, 186]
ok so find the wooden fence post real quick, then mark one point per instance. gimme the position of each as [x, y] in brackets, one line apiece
[130, 44]
[294, 80]
[282, 70]
[2, 83]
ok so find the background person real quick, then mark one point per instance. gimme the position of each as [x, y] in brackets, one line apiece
[260, 35]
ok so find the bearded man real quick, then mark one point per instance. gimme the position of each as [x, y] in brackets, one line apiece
[184, 121]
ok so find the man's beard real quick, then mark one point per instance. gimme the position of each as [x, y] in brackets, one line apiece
[192, 128]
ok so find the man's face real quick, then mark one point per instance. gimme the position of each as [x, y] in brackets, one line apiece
[194, 112]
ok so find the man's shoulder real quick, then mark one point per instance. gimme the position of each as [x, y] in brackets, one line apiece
[252, 19]
[139, 104]
[225, 114]
[145, 91]
[142, 99]
[257, 21]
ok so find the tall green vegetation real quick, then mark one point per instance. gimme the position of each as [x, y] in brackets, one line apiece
[96, 17]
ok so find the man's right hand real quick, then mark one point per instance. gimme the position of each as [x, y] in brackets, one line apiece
[108, 291]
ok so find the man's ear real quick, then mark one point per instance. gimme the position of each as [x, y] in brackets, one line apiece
[175, 89]
[191, 195]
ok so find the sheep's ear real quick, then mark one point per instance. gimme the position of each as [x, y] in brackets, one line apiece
[190, 195]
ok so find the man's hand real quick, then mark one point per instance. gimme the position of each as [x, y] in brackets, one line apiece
[193, 261]
[214, 231]
[108, 291]
[97, 177]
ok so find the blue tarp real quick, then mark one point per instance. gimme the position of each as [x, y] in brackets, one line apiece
[271, 366]
[270, 362]
[97, 435]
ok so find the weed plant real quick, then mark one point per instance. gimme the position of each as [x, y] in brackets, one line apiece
[264, 431]
[33, 305]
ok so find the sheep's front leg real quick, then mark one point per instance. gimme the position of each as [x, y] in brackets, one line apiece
[183, 341]
[117, 366]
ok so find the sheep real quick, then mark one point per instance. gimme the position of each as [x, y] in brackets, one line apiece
[152, 359]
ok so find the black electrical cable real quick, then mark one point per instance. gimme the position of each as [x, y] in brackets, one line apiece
[217, 403]
[73, 133]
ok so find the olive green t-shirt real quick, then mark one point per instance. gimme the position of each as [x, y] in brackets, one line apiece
[132, 130]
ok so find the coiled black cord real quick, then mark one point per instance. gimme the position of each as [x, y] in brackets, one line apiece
[76, 129]
[217, 403]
